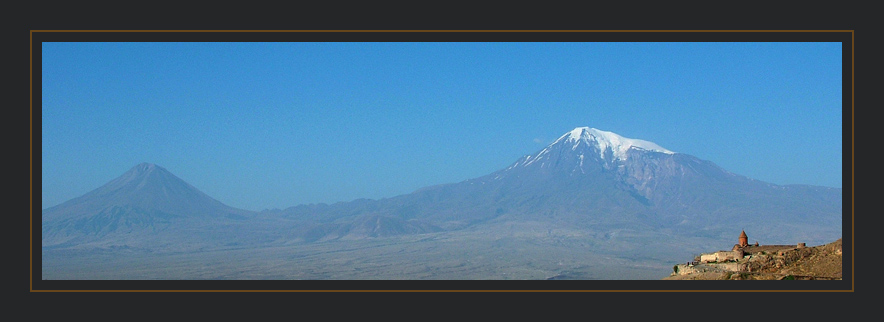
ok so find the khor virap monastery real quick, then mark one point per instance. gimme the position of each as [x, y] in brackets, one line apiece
[734, 260]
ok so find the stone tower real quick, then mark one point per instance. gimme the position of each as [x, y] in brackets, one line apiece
[744, 240]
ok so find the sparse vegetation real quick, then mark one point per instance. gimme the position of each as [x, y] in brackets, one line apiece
[440, 256]
[811, 263]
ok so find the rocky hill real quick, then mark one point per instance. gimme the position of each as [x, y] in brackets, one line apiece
[809, 263]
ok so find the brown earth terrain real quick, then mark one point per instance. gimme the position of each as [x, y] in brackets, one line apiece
[810, 263]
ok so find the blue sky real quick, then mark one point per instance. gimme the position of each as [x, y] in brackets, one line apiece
[274, 125]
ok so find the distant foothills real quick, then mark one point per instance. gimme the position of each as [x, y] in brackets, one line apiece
[615, 194]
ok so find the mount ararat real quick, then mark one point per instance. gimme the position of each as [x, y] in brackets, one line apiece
[591, 190]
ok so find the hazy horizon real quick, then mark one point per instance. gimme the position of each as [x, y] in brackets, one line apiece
[275, 125]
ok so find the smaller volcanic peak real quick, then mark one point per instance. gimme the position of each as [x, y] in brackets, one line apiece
[148, 187]
[133, 209]
[139, 177]
[145, 167]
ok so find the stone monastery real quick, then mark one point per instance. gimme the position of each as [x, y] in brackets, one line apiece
[734, 260]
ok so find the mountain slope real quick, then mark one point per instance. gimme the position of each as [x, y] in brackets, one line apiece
[144, 201]
[588, 181]
[597, 180]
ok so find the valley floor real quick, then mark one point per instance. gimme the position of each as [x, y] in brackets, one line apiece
[419, 257]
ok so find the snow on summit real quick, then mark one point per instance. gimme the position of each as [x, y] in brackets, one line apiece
[595, 139]
[604, 140]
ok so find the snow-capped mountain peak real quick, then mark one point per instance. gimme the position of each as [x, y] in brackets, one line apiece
[570, 151]
[605, 140]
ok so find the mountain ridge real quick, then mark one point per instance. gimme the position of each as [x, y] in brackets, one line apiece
[588, 180]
